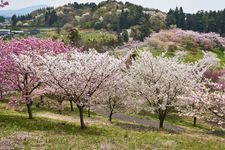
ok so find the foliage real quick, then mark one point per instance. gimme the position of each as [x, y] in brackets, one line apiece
[139, 32]
[125, 36]
[202, 21]
[98, 25]
[74, 36]
[51, 18]
[110, 15]
[98, 40]
[2, 19]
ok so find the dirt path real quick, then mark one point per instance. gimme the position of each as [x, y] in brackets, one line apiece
[71, 119]
[145, 122]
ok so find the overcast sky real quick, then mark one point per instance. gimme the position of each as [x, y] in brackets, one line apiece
[190, 6]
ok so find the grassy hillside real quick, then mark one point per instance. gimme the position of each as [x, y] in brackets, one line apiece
[50, 130]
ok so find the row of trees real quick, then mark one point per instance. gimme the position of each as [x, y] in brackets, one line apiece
[51, 18]
[21, 18]
[91, 5]
[202, 21]
[35, 67]
[2, 19]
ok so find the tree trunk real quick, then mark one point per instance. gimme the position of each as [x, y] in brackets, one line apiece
[110, 116]
[195, 121]
[82, 125]
[161, 121]
[89, 112]
[30, 110]
[60, 108]
[40, 102]
[71, 105]
[1, 96]
[162, 116]
[28, 100]
[60, 111]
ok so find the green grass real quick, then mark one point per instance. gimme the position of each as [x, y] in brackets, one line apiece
[220, 55]
[98, 39]
[174, 118]
[193, 56]
[50, 133]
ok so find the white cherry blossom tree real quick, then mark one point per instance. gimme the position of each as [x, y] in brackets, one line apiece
[211, 96]
[79, 75]
[113, 98]
[158, 82]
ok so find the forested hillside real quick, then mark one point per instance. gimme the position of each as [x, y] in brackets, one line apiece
[202, 21]
[109, 15]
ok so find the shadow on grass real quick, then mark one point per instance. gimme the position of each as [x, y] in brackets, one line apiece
[219, 133]
[133, 127]
[141, 128]
[175, 119]
[18, 123]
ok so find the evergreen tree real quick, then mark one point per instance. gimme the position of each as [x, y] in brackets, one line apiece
[14, 20]
[53, 18]
[125, 36]
[2, 19]
[202, 21]
[181, 21]
[170, 18]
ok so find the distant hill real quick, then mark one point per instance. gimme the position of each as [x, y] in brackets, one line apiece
[110, 15]
[22, 11]
[132, 20]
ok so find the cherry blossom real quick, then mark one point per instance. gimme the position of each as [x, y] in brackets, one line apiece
[17, 62]
[79, 75]
[3, 3]
[178, 37]
[211, 96]
[113, 98]
[157, 82]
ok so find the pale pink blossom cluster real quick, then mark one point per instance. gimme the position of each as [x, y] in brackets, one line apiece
[78, 75]
[178, 36]
[156, 83]
[36, 67]
[211, 97]
[211, 38]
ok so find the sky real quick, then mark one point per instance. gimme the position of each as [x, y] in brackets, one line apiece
[189, 6]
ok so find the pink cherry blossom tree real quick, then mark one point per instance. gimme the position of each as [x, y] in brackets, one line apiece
[3, 3]
[157, 82]
[79, 75]
[56, 97]
[17, 65]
